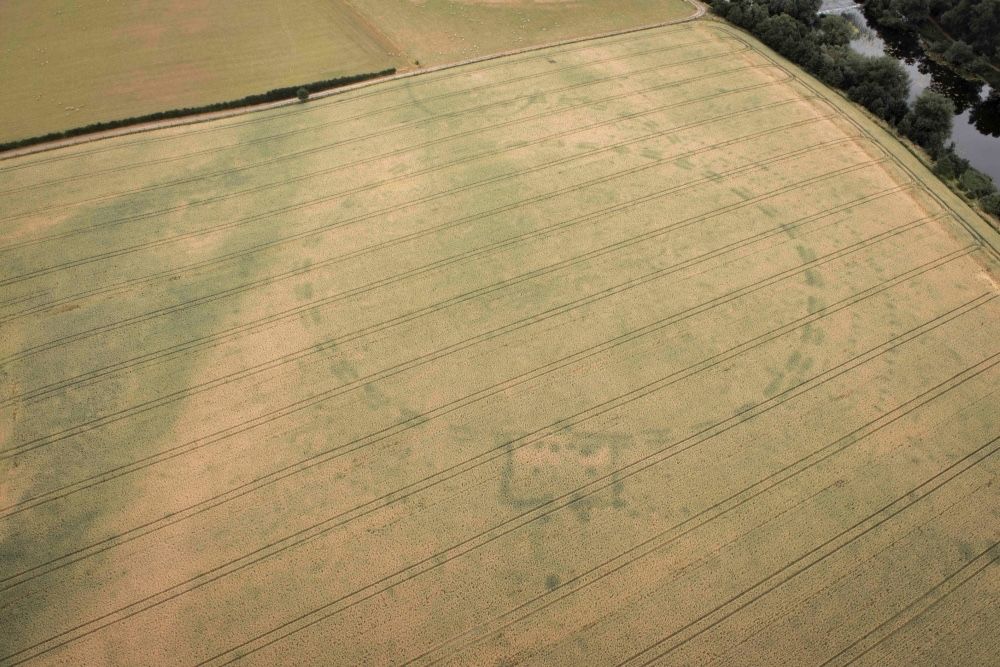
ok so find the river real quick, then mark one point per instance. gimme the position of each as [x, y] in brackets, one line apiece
[976, 127]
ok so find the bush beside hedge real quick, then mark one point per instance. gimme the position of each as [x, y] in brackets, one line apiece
[275, 95]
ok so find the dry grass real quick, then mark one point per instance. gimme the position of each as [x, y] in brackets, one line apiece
[637, 349]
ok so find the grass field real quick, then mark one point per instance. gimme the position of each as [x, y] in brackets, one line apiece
[444, 31]
[639, 350]
[69, 64]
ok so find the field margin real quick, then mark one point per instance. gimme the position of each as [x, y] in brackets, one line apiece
[700, 10]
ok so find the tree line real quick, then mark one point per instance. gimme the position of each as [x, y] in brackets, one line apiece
[965, 33]
[820, 45]
[289, 92]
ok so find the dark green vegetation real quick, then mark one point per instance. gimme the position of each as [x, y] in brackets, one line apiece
[794, 29]
[966, 33]
[275, 95]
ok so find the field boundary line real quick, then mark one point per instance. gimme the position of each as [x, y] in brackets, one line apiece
[334, 123]
[570, 497]
[307, 204]
[699, 11]
[303, 109]
[260, 187]
[988, 240]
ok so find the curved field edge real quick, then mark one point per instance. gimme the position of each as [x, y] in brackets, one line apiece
[973, 222]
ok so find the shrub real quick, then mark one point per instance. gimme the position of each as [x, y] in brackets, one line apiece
[949, 165]
[881, 85]
[976, 183]
[991, 204]
[302, 94]
[269, 96]
[929, 121]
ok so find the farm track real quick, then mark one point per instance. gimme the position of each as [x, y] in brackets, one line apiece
[731, 343]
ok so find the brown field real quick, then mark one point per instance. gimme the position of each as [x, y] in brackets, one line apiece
[640, 350]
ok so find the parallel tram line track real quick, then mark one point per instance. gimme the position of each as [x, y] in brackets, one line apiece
[457, 189]
[382, 133]
[989, 244]
[369, 440]
[933, 597]
[298, 206]
[812, 558]
[557, 228]
[413, 315]
[323, 104]
[444, 166]
[514, 523]
[675, 532]
[339, 121]
[508, 526]
[80, 380]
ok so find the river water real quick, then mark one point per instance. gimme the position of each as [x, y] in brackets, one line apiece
[976, 127]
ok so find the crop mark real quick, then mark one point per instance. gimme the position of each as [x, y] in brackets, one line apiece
[84, 379]
[514, 523]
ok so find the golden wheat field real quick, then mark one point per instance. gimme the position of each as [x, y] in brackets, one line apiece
[639, 350]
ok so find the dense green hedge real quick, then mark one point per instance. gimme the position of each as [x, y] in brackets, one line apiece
[286, 93]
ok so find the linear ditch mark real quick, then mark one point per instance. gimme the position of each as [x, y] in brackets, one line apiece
[408, 317]
[339, 121]
[323, 104]
[672, 534]
[312, 150]
[569, 498]
[817, 555]
[468, 545]
[81, 380]
[497, 246]
[514, 523]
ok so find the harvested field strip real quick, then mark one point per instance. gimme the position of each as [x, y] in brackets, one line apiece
[499, 386]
